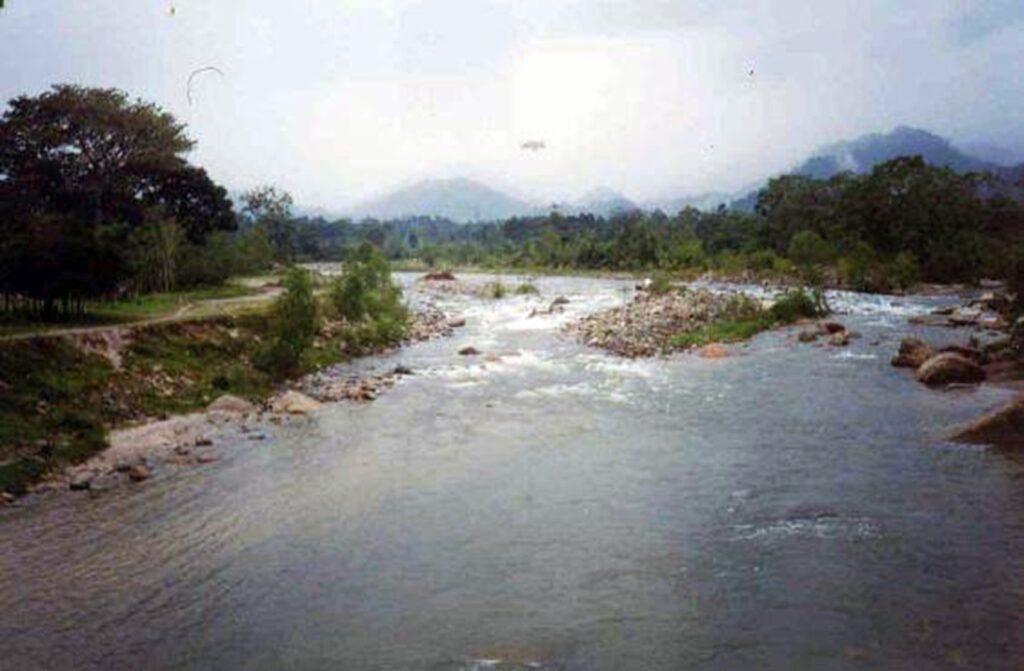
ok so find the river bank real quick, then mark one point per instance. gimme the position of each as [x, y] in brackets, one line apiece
[77, 406]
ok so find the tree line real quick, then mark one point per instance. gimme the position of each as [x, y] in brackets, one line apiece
[98, 201]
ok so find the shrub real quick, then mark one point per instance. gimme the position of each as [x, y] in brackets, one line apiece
[807, 248]
[527, 289]
[495, 290]
[366, 297]
[661, 283]
[793, 305]
[293, 325]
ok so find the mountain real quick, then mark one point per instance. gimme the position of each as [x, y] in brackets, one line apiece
[601, 202]
[460, 200]
[864, 153]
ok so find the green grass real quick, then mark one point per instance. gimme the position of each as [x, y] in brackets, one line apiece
[724, 331]
[747, 319]
[48, 397]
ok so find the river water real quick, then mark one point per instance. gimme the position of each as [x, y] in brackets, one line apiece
[789, 507]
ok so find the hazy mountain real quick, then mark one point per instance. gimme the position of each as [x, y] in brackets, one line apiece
[459, 200]
[601, 202]
[864, 153]
[867, 151]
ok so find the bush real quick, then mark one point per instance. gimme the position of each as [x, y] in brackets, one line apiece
[293, 325]
[807, 248]
[661, 283]
[793, 305]
[366, 297]
[527, 289]
[495, 290]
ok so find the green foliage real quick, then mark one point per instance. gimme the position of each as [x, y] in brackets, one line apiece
[495, 290]
[807, 248]
[527, 289]
[293, 325]
[661, 283]
[794, 305]
[369, 301]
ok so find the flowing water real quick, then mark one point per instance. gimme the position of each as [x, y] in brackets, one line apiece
[790, 507]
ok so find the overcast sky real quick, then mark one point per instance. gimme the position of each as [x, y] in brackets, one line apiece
[337, 100]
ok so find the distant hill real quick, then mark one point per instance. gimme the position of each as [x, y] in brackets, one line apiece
[864, 153]
[601, 202]
[460, 200]
[867, 151]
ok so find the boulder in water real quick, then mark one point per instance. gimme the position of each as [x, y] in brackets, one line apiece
[439, 276]
[138, 473]
[807, 336]
[913, 353]
[1002, 427]
[469, 351]
[839, 339]
[829, 328]
[949, 368]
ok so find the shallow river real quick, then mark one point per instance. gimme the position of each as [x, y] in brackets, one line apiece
[790, 507]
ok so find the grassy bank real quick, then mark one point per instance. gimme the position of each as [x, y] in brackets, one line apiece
[58, 400]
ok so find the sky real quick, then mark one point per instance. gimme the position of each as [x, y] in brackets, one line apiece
[340, 100]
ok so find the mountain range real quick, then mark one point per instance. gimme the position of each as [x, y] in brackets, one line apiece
[464, 200]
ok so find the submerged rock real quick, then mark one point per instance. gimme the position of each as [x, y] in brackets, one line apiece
[913, 353]
[949, 368]
[295, 403]
[1002, 427]
[807, 336]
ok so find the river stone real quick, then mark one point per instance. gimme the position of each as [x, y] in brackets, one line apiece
[839, 339]
[138, 473]
[231, 405]
[829, 328]
[469, 351]
[1002, 427]
[949, 368]
[80, 481]
[913, 353]
[714, 351]
[295, 403]
[807, 336]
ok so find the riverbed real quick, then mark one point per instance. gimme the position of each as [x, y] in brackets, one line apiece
[549, 506]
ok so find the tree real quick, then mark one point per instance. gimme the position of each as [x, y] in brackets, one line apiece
[294, 323]
[271, 208]
[80, 168]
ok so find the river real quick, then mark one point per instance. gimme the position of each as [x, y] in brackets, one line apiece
[789, 507]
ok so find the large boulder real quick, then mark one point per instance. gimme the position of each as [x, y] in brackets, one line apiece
[949, 368]
[294, 403]
[913, 353]
[232, 405]
[1002, 427]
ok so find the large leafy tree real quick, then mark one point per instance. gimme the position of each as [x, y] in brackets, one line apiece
[80, 168]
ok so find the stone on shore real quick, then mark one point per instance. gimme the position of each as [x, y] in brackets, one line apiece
[714, 351]
[138, 473]
[294, 403]
[949, 368]
[1002, 427]
[807, 336]
[913, 353]
[232, 405]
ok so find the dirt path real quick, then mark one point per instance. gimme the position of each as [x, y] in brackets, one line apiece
[192, 310]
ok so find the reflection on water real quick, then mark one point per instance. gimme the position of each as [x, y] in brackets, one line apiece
[789, 507]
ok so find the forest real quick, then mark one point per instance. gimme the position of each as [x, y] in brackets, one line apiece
[99, 202]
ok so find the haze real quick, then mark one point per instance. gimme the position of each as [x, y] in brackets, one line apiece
[338, 101]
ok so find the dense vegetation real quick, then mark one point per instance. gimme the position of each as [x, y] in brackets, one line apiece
[97, 201]
[903, 222]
